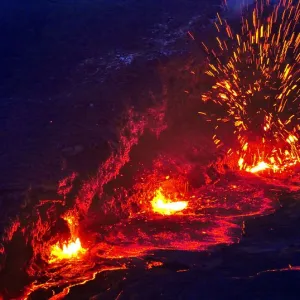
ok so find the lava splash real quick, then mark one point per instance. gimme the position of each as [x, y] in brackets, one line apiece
[164, 206]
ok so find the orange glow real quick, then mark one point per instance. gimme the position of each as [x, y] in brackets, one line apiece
[67, 251]
[164, 206]
[154, 264]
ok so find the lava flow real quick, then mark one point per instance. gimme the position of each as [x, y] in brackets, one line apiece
[255, 76]
[148, 220]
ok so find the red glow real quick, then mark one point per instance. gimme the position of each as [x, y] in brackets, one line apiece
[154, 264]
[207, 219]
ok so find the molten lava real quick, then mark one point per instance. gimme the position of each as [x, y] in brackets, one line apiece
[164, 206]
[259, 167]
[71, 249]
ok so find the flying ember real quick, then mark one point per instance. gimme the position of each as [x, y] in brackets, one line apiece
[164, 206]
[255, 75]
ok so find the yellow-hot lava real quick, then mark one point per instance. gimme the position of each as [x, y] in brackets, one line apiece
[259, 167]
[164, 206]
[67, 250]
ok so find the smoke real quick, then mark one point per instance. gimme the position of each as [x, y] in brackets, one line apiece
[236, 6]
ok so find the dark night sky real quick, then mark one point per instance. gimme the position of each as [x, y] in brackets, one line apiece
[45, 47]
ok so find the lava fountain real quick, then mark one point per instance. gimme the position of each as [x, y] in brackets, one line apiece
[255, 81]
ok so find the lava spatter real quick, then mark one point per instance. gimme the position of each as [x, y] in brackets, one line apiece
[255, 76]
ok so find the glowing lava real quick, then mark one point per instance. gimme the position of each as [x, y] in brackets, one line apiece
[164, 206]
[72, 248]
[260, 167]
[67, 251]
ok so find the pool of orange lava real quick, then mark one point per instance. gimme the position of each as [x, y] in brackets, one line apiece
[164, 206]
